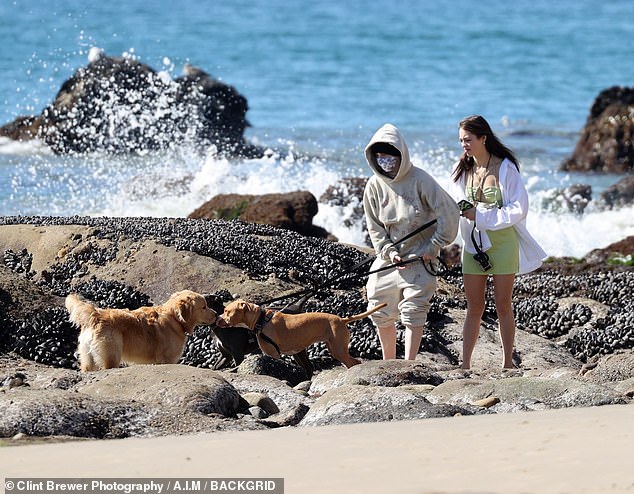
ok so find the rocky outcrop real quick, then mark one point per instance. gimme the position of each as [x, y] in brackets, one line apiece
[291, 210]
[606, 143]
[621, 252]
[575, 198]
[618, 195]
[120, 105]
[574, 341]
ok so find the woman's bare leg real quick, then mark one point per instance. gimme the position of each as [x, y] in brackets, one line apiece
[504, 308]
[475, 289]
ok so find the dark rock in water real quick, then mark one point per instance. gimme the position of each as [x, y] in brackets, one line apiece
[618, 194]
[346, 191]
[23, 128]
[576, 197]
[219, 112]
[291, 210]
[606, 143]
[120, 105]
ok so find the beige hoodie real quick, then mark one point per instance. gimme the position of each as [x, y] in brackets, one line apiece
[395, 207]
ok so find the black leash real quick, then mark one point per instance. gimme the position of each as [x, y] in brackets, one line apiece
[442, 271]
[354, 268]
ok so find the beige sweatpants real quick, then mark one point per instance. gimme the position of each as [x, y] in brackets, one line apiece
[407, 293]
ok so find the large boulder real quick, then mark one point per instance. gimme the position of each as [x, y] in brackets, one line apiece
[606, 143]
[118, 104]
[353, 404]
[292, 211]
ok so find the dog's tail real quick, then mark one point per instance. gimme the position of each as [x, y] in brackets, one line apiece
[81, 312]
[365, 314]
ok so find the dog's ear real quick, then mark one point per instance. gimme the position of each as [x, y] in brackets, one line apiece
[183, 311]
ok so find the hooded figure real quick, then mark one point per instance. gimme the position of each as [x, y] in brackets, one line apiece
[399, 198]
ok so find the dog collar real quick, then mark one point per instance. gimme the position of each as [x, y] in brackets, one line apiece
[262, 321]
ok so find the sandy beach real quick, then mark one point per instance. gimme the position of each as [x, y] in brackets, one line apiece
[576, 450]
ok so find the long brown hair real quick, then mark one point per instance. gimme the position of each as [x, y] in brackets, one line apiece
[479, 127]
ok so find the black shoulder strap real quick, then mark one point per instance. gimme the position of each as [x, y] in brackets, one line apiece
[477, 247]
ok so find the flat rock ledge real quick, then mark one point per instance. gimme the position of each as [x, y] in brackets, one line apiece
[38, 401]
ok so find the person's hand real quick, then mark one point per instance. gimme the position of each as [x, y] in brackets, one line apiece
[427, 258]
[396, 259]
[469, 213]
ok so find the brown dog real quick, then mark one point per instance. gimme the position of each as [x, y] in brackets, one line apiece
[280, 333]
[148, 335]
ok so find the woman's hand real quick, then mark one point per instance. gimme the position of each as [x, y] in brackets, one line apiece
[469, 213]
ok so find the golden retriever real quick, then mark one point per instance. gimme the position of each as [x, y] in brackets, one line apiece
[148, 335]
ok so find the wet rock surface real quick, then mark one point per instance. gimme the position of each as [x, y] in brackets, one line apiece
[606, 143]
[573, 347]
[118, 104]
[291, 210]
[619, 194]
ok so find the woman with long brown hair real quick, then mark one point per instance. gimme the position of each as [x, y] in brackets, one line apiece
[494, 205]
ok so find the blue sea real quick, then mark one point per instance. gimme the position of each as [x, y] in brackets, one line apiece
[320, 77]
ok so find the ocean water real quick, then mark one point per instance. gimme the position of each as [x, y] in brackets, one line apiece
[320, 78]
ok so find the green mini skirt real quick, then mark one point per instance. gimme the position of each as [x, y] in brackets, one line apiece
[504, 254]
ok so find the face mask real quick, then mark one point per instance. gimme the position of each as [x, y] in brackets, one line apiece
[389, 164]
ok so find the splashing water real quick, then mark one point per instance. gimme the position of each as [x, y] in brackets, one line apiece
[314, 94]
[175, 183]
